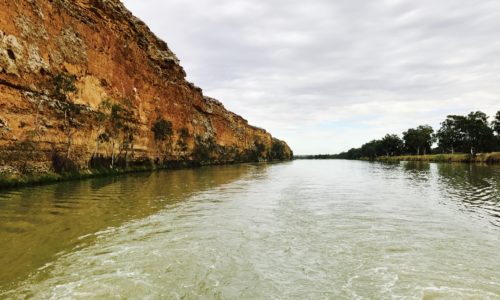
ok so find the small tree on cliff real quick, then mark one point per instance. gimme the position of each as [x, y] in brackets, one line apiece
[63, 84]
[114, 128]
[129, 131]
[162, 130]
[63, 87]
[118, 126]
[101, 118]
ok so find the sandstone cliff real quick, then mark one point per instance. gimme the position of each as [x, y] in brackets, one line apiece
[84, 84]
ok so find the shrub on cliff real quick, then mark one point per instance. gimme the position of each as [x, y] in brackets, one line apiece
[62, 85]
[63, 164]
[277, 150]
[162, 130]
[204, 150]
[182, 145]
[260, 148]
[257, 152]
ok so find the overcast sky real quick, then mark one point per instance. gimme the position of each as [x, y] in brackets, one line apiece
[328, 75]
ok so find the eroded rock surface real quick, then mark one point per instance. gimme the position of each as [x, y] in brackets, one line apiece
[85, 84]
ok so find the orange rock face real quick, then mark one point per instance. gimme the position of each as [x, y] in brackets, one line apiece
[84, 84]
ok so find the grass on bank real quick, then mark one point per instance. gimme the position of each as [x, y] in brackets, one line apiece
[493, 157]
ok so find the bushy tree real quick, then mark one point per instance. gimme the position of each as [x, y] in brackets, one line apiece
[496, 124]
[370, 149]
[391, 145]
[471, 133]
[353, 153]
[496, 128]
[419, 140]
[451, 136]
[478, 134]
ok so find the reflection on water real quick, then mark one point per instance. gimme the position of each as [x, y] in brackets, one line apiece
[39, 223]
[476, 188]
[298, 230]
[471, 187]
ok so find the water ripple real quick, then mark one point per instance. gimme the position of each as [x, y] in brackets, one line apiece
[301, 230]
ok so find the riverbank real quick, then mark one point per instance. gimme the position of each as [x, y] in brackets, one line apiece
[13, 180]
[19, 180]
[488, 158]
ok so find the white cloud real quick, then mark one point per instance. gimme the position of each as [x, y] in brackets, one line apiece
[328, 75]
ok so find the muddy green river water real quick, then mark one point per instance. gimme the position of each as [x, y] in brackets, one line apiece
[326, 229]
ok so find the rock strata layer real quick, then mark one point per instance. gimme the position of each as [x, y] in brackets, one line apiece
[84, 85]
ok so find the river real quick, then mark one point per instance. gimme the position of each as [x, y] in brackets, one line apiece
[325, 229]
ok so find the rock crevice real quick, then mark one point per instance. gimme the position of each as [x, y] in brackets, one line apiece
[84, 84]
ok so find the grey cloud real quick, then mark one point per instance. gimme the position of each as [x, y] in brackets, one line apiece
[290, 66]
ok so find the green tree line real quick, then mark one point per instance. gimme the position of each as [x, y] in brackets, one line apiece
[470, 134]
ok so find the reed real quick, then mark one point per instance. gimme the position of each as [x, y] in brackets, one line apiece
[490, 158]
